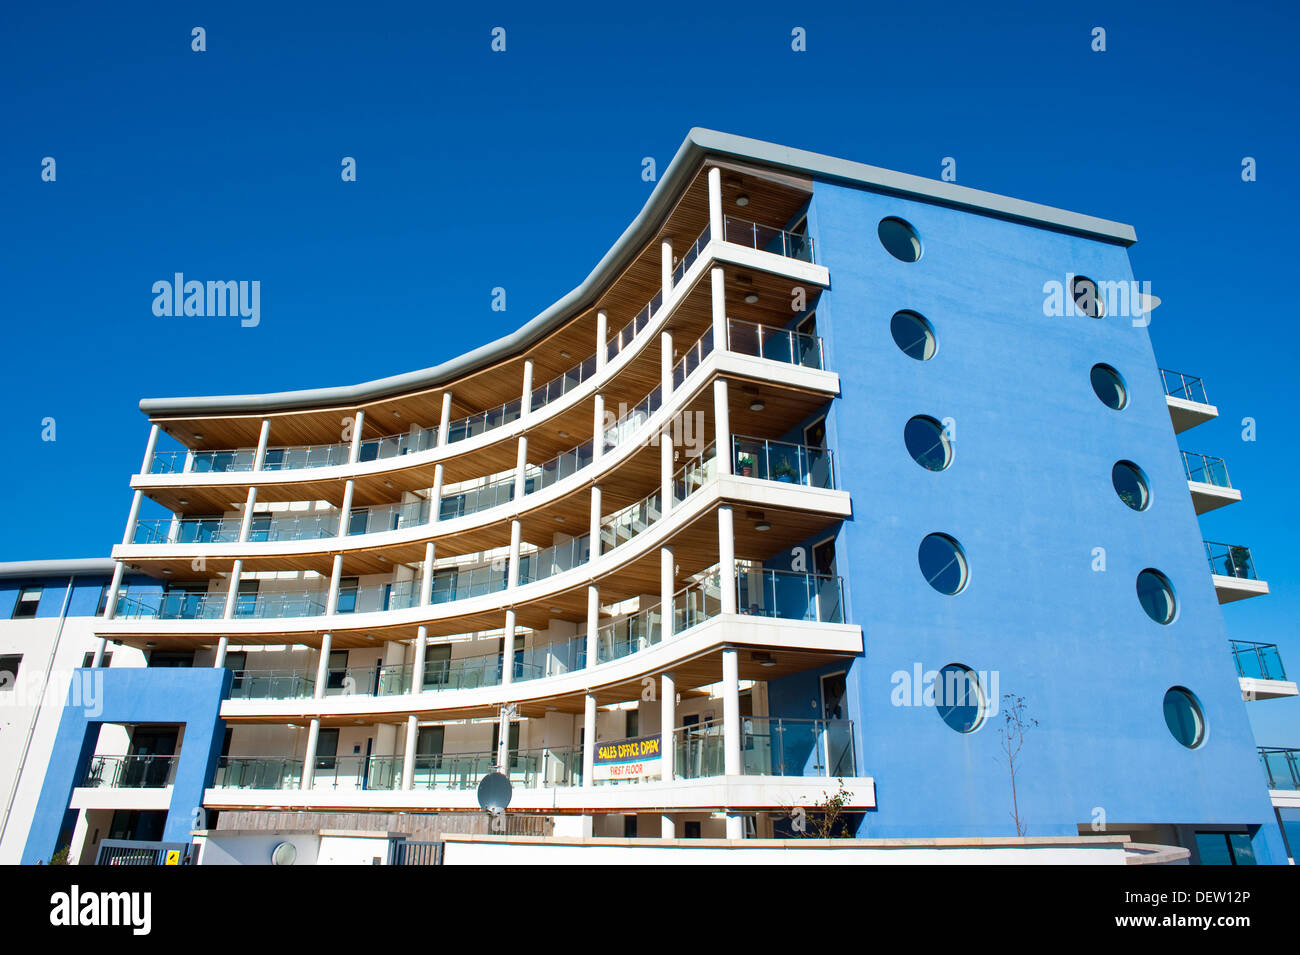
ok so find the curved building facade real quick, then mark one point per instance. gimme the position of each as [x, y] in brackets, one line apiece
[802, 491]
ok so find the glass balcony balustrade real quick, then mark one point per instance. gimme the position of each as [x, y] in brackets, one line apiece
[774, 344]
[541, 476]
[272, 684]
[389, 517]
[764, 592]
[258, 772]
[306, 456]
[475, 499]
[1187, 387]
[1281, 767]
[187, 530]
[1230, 560]
[769, 746]
[482, 422]
[696, 354]
[130, 772]
[562, 384]
[628, 333]
[1258, 661]
[396, 445]
[690, 256]
[1206, 469]
[792, 245]
[782, 461]
[541, 564]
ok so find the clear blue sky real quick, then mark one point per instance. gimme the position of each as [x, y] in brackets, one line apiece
[478, 169]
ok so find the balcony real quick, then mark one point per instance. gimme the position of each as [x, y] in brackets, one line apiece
[1233, 572]
[130, 772]
[782, 461]
[764, 238]
[769, 746]
[1281, 767]
[1207, 479]
[774, 344]
[1188, 404]
[1260, 671]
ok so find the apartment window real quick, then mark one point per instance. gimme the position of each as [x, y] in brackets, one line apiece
[1184, 717]
[913, 335]
[348, 587]
[9, 670]
[1156, 594]
[1109, 386]
[171, 658]
[629, 827]
[1225, 848]
[1131, 485]
[327, 747]
[358, 520]
[437, 666]
[959, 698]
[633, 725]
[29, 599]
[88, 660]
[943, 563]
[246, 598]
[338, 670]
[237, 663]
[1086, 300]
[927, 442]
[691, 830]
[899, 239]
[259, 528]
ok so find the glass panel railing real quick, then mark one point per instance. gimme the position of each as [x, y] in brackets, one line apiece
[271, 605]
[624, 336]
[630, 421]
[1187, 387]
[272, 684]
[540, 476]
[562, 384]
[1281, 767]
[218, 462]
[301, 457]
[792, 245]
[697, 602]
[378, 597]
[473, 500]
[483, 421]
[396, 445]
[526, 768]
[305, 527]
[258, 772]
[1259, 661]
[187, 530]
[698, 471]
[774, 344]
[462, 673]
[464, 582]
[542, 564]
[168, 462]
[702, 348]
[130, 772]
[782, 461]
[1205, 469]
[627, 635]
[174, 605]
[390, 517]
[690, 255]
[633, 520]
[764, 592]
[769, 746]
[1230, 560]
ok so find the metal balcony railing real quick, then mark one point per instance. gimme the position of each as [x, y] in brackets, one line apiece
[774, 344]
[1187, 387]
[782, 461]
[1230, 560]
[1259, 661]
[769, 746]
[130, 772]
[764, 238]
[1281, 766]
[1205, 469]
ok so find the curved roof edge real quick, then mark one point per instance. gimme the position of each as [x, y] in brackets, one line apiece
[57, 568]
[698, 144]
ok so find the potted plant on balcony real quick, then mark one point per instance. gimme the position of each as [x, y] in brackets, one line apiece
[746, 462]
[786, 473]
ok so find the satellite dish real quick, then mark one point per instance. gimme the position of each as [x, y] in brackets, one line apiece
[494, 793]
[286, 853]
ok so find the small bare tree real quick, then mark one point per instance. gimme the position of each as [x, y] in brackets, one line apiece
[1012, 734]
[827, 815]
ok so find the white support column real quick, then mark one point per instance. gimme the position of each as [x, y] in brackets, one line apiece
[232, 591]
[667, 723]
[666, 472]
[735, 826]
[345, 510]
[722, 426]
[336, 574]
[593, 531]
[593, 624]
[219, 660]
[589, 740]
[521, 464]
[730, 712]
[110, 600]
[435, 496]
[358, 423]
[323, 666]
[408, 753]
[665, 365]
[309, 757]
[512, 571]
[716, 229]
[426, 576]
[100, 646]
[526, 401]
[263, 439]
[444, 421]
[503, 742]
[602, 339]
[667, 579]
[189, 461]
[727, 558]
[719, 289]
[417, 665]
[508, 650]
[598, 429]
[246, 519]
[666, 265]
[149, 447]
[132, 517]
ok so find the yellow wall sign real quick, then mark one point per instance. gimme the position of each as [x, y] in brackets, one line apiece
[173, 857]
[627, 758]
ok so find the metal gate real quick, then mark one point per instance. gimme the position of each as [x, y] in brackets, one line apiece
[402, 852]
[131, 852]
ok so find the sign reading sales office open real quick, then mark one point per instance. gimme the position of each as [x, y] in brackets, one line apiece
[627, 759]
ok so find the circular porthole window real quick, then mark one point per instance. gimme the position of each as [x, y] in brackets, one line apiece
[899, 239]
[943, 563]
[1131, 485]
[959, 698]
[1184, 716]
[1086, 298]
[913, 335]
[1109, 386]
[927, 442]
[1156, 594]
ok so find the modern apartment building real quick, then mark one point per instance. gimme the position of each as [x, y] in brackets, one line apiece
[819, 471]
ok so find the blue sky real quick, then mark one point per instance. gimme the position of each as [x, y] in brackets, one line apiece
[479, 169]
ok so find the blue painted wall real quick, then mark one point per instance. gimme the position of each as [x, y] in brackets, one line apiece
[1029, 497]
[190, 697]
[85, 593]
